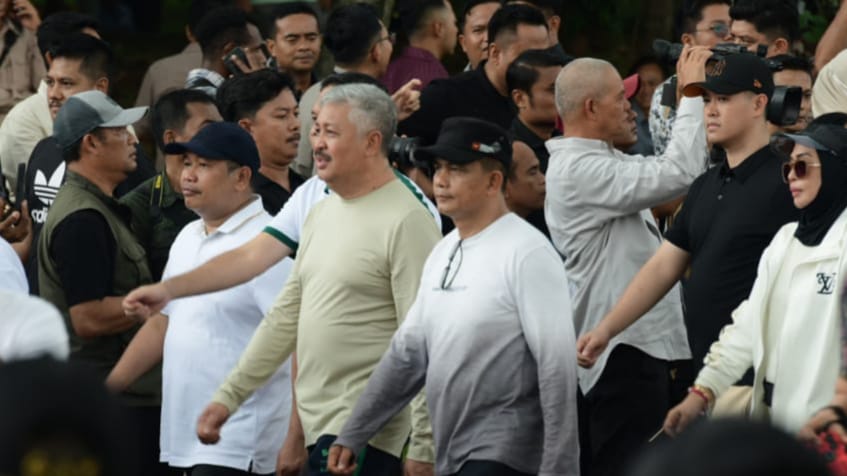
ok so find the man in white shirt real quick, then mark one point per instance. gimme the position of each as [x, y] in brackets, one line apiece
[598, 211]
[490, 332]
[200, 338]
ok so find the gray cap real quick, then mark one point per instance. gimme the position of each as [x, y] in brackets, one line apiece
[86, 111]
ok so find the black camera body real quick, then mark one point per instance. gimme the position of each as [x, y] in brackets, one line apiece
[784, 104]
[401, 154]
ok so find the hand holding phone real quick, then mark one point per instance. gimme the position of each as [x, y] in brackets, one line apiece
[243, 60]
[26, 14]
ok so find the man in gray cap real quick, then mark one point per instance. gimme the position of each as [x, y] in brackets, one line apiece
[489, 334]
[88, 258]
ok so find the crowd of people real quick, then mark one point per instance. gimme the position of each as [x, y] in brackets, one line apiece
[534, 266]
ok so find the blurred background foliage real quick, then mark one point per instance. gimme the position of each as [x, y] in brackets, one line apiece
[621, 31]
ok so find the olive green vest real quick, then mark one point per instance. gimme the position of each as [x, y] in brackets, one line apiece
[131, 271]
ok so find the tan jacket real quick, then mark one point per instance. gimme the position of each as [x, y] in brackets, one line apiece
[22, 69]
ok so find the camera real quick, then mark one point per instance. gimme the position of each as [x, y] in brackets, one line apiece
[784, 104]
[401, 153]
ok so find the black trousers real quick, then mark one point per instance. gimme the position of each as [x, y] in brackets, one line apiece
[487, 468]
[371, 462]
[626, 407]
[146, 421]
[210, 470]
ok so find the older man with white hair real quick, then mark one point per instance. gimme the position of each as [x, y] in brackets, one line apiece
[598, 211]
[356, 275]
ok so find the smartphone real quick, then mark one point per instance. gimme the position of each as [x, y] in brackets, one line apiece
[259, 55]
[239, 53]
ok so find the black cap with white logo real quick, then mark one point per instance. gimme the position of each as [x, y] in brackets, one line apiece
[733, 74]
[465, 139]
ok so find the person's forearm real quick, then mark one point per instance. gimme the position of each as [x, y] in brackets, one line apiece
[834, 39]
[100, 317]
[649, 285]
[143, 352]
[230, 269]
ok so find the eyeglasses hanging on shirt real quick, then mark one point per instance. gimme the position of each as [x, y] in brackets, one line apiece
[450, 272]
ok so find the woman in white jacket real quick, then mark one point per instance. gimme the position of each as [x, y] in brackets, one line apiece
[788, 329]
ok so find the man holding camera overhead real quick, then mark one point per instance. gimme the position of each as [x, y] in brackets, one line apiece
[730, 215]
[597, 210]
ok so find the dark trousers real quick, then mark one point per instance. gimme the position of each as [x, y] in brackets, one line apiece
[146, 420]
[487, 468]
[209, 470]
[370, 462]
[626, 407]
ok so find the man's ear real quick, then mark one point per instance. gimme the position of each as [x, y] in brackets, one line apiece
[553, 24]
[271, 44]
[780, 46]
[760, 102]
[461, 39]
[102, 85]
[520, 98]
[589, 108]
[246, 124]
[494, 53]
[687, 39]
[374, 142]
[495, 181]
[168, 136]
[437, 28]
[245, 174]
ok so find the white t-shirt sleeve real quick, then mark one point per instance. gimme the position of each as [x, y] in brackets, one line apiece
[12, 275]
[287, 225]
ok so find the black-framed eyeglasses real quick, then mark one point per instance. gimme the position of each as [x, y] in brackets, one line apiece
[721, 30]
[446, 278]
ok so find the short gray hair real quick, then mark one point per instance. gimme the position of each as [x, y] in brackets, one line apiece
[370, 109]
[581, 79]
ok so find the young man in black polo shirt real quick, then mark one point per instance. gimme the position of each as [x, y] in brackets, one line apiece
[531, 80]
[481, 93]
[263, 104]
[728, 218]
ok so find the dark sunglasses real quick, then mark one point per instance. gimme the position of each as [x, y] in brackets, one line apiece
[800, 167]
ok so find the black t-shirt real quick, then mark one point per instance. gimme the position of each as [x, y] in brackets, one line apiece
[523, 134]
[84, 251]
[727, 220]
[273, 195]
[468, 94]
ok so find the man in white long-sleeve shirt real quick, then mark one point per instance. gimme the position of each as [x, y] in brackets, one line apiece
[598, 210]
[490, 332]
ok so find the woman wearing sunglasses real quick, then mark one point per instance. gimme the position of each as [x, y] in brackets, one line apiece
[788, 329]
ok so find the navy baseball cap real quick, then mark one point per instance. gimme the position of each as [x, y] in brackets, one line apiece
[736, 73]
[465, 139]
[221, 141]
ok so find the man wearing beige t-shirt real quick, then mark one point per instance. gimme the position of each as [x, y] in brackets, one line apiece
[355, 277]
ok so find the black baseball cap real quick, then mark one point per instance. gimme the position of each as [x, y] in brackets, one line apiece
[735, 73]
[819, 136]
[463, 140]
[221, 141]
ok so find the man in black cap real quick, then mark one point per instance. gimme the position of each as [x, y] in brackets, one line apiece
[730, 215]
[500, 382]
[211, 330]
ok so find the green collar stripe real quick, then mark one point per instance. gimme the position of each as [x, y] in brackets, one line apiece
[408, 183]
